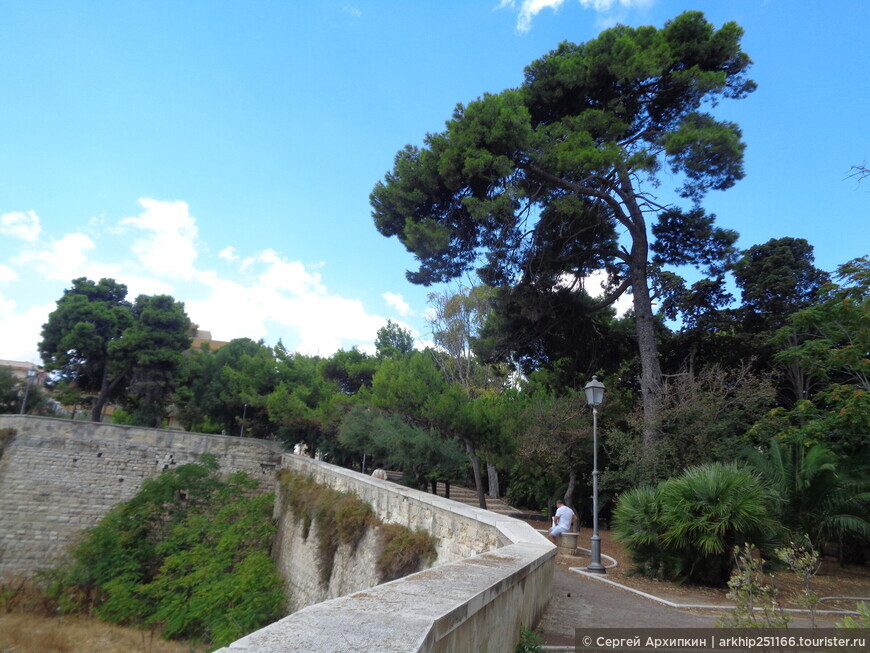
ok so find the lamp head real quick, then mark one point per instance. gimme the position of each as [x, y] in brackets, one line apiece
[594, 392]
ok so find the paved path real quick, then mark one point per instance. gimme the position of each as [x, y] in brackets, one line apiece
[578, 601]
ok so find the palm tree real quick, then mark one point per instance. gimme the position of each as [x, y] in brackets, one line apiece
[687, 526]
[813, 492]
[709, 510]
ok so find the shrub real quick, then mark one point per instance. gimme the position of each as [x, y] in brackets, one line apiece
[756, 602]
[404, 551]
[686, 527]
[188, 554]
[637, 523]
[530, 642]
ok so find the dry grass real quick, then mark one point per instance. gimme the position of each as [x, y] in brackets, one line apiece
[31, 633]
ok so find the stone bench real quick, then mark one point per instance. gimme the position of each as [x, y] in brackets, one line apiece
[567, 543]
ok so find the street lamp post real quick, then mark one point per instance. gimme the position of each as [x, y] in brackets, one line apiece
[31, 373]
[594, 397]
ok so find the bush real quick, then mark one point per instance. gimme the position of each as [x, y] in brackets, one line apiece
[404, 551]
[188, 554]
[686, 527]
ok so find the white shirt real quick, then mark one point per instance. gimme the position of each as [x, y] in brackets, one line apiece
[564, 517]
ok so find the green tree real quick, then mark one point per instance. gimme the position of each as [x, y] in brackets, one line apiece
[351, 370]
[777, 279]
[12, 393]
[392, 341]
[831, 338]
[152, 348]
[68, 395]
[558, 331]
[75, 340]
[306, 405]
[113, 348]
[226, 390]
[421, 452]
[704, 413]
[538, 182]
[556, 434]
[829, 341]
[415, 388]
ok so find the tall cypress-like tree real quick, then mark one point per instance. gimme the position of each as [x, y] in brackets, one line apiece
[536, 185]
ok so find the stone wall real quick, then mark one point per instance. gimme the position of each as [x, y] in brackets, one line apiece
[493, 575]
[297, 560]
[58, 477]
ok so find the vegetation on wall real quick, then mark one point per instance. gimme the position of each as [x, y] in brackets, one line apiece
[343, 518]
[188, 555]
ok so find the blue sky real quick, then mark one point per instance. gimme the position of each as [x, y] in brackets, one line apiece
[223, 151]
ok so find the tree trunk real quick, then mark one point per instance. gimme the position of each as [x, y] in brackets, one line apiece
[100, 401]
[475, 467]
[569, 492]
[492, 475]
[651, 371]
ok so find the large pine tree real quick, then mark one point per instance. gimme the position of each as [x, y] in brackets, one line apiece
[543, 184]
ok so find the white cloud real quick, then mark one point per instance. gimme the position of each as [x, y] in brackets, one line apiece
[596, 285]
[264, 295]
[352, 10]
[144, 286]
[169, 247]
[66, 259]
[20, 331]
[231, 310]
[7, 274]
[228, 253]
[24, 226]
[528, 9]
[324, 323]
[291, 276]
[397, 302]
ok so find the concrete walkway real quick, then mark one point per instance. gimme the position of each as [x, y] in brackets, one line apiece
[578, 601]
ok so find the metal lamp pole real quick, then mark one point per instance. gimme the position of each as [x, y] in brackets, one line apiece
[30, 375]
[594, 397]
[244, 414]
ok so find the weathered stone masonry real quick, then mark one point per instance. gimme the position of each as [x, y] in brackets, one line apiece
[58, 477]
[493, 573]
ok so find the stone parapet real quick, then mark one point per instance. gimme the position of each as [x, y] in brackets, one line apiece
[493, 575]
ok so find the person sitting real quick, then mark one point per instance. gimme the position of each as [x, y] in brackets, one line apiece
[563, 520]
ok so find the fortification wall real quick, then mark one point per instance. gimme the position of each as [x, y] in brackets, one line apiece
[58, 477]
[298, 562]
[493, 575]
